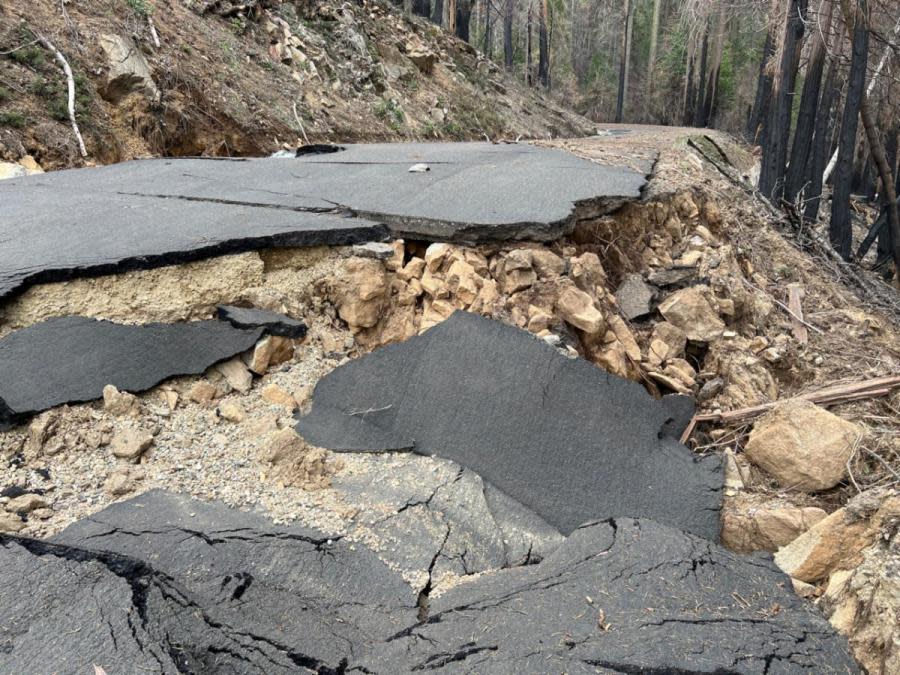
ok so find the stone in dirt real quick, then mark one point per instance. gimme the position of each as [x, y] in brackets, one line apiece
[293, 462]
[690, 310]
[563, 437]
[186, 586]
[273, 322]
[71, 359]
[621, 596]
[634, 296]
[130, 444]
[804, 447]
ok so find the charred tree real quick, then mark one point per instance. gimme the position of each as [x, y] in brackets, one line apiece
[839, 231]
[421, 7]
[437, 12]
[654, 35]
[628, 11]
[509, 9]
[778, 122]
[796, 174]
[821, 143]
[760, 109]
[529, 65]
[688, 115]
[701, 80]
[544, 45]
[463, 17]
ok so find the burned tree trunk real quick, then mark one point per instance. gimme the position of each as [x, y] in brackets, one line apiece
[626, 59]
[508, 12]
[421, 8]
[688, 115]
[701, 79]
[437, 12]
[760, 109]
[463, 17]
[839, 231]
[821, 146]
[529, 66]
[809, 99]
[544, 46]
[778, 122]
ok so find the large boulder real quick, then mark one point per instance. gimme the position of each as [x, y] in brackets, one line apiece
[691, 310]
[750, 523]
[128, 70]
[804, 447]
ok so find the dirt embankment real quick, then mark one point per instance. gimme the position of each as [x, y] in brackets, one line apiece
[226, 82]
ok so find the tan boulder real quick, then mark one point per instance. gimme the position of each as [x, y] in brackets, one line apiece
[515, 272]
[275, 394]
[463, 282]
[488, 301]
[236, 374]
[667, 341]
[202, 392]
[547, 264]
[624, 335]
[577, 308]
[130, 444]
[122, 480]
[26, 503]
[271, 351]
[10, 522]
[751, 523]
[232, 411]
[414, 269]
[747, 380]
[836, 542]
[690, 310]
[611, 356]
[120, 403]
[360, 292]
[435, 312]
[802, 446]
[587, 272]
[435, 255]
[292, 462]
[395, 262]
[434, 285]
[682, 371]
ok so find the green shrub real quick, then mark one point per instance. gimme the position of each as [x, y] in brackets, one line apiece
[28, 56]
[11, 118]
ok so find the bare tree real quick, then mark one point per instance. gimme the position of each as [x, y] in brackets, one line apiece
[628, 16]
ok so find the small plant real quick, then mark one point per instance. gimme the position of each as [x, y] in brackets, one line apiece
[12, 118]
[238, 25]
[4, 94]
[141, 8]
[28, 56]
[391, 112]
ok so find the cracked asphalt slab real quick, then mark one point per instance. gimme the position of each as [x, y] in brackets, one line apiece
[569, 441]
[169, 584]
[149, 213]
[70, 359]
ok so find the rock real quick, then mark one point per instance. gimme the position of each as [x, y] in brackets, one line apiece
[435, 255]
[236, 374]
[10, 522]
[122, 480]
[423, 58]
[746, 380]
[750, 523]
[414, 269]
[30, 165]
[128, 70]
[624, 335]
[361, 293]
[202, 392]
[78, 356]
[293, 462]
[836, 542]
[233, 411]
[672, 276]
[275, 394]
[515, 272]
[25, 504]
[11, 170]
[435, 312]
[274, 323]
[376, 250]
[587, 272]
[463, 282]
[494, 399]
[398, 253]
[547, 264]
[120, 403]
[577, 308]
[268, 352]
[130, 444]
[804, 447]
[690, 310]
[667, 341]
[634, 296]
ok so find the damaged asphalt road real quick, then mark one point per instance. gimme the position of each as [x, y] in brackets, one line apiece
[168, 584]
[566, 439]
[149, 213]
[70, 359]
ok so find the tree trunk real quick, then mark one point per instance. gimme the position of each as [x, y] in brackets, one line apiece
[528, 59]
[701, 78]
[839, 231]
[820, 143]
[688, 114]
[450, 15]
[626, 58]
[509, 11]
[654, 34]
[437, 11]
[463, 17]
[778, 124]
[760, 109]
[488, 45]
[884, 170]
[421, 7]
[809, 99]
[544, 46]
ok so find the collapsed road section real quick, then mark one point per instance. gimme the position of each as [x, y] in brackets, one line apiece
[168, 584]
[568, 440]
[150, 213]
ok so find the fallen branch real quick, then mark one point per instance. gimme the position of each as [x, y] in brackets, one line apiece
[153, 32]
[791, 313]
[71, 81]
[839, 393]
[795, 303]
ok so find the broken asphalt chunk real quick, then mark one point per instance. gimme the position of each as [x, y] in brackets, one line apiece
[71, 359]
[622, 596]
[568, 440]
[150, 213]
[272, 322]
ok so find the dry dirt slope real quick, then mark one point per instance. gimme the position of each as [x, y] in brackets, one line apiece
[226, 82]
